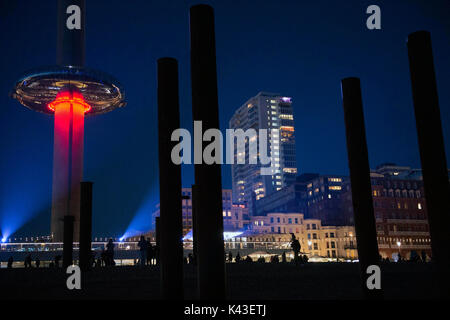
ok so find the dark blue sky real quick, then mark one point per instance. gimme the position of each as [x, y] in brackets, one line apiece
[297, 48]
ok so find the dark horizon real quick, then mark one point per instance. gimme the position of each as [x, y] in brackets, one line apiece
[301, 50]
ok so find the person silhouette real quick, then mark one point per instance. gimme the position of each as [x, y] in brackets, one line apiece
[149, 252]
[142, 244]
[10, 262]
[37, 262]
[295, 245]
[57, 259]
[103, 258]
[238, 258]
[110, 253]
[424, 256]
[27, 261]
[230, 257]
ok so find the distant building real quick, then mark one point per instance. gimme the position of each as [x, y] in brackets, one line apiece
[399, 206]
[265, 111]
[391, 170]
[400, 214]
[317, 196]
[235, 217]
[315, 240]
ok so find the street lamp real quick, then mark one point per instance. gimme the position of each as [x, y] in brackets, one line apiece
[399, 254]
[310, 246]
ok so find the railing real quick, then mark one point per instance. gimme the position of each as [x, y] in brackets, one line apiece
[132, 245]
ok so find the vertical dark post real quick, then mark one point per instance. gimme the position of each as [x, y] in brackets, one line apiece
[71, 32]
[158, 238]
[68, 241]
[169, 182]
[85, 225]
[432, 151]
[358, 160]
[194, 221]
[208, 180]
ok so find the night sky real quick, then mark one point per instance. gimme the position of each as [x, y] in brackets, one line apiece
[297, 48]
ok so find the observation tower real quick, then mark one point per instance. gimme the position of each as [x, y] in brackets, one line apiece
[69, 92]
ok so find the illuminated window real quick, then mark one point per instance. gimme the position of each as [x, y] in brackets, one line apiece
[290, 170]
[335, 187]
[286, 116]
[287, 128]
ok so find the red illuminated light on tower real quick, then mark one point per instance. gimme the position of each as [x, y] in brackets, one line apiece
[69, 96]
[69, 108]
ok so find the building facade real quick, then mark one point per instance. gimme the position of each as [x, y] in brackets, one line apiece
[317, 196]
[400, 214]
[271, 112]
[316, 240]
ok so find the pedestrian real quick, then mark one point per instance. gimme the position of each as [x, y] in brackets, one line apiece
[28, 261]
[230, 257]
[142, 244]
[424, 256]
[10, 262]
[110, 253]
[57, 259]
[149, 252]
[37, 262]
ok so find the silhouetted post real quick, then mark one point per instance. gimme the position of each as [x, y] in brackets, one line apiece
[358, 160]
[71, 45]
[208, 180]
[432, 151]
[158, 237]
[171, 252]
[68, 241]
[194, 221]
[85, 252]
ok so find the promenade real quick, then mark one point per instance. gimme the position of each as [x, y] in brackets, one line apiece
[244, 281]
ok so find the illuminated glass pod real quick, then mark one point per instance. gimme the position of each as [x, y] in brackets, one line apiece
[39, 88]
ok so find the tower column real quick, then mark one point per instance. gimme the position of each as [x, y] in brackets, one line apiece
[69, 108]
[71, 45]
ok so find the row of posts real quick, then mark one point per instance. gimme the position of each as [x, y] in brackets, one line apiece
[207, 191]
